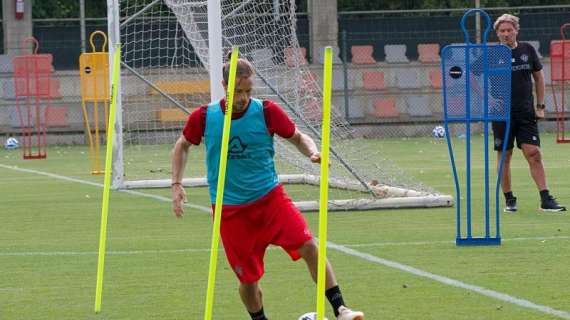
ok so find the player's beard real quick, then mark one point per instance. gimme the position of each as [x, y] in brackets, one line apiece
[240, 107]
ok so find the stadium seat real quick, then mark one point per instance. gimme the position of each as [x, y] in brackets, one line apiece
[294, 54]
[418, 106]
[9, 92]
[455, 55]
[14, 117]
[396, 53]
[23, 89]
[312, 110]
[428, 53]
[30, 121]
[455, 106]
[263, 58]
[435, 78]
[310, 82]
[263, 61]
[408, 79]
[171, 115]
[546, 69]
[362, 55]
[357, 106]
[7, 88]
[373, 80]
[338, 80]
[6, 63]
[549, 101]
[182, 87]
[536, 45]
[54, 88]
[320, 55]
[384, 107]
[56, 116]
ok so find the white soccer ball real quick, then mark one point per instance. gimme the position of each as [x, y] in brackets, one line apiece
[438, 132]
[309, 316]
[11, 144]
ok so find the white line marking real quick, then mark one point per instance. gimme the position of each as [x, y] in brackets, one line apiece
[344, 249]
[421, 243]
[94, 253]
[191, 250]
[136, 193]
[451, 282]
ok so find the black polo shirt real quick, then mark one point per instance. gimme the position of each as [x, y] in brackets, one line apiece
[524, 62]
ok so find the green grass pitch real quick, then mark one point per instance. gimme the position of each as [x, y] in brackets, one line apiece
[157, 266]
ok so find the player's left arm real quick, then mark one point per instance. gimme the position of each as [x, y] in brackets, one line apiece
[278, 122]
[538, 77]
[306, 145]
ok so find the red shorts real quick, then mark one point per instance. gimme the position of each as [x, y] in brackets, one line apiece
[247, 230]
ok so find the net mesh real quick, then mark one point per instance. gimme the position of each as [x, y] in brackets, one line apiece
[165, 47]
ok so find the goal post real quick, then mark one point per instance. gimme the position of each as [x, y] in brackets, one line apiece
[171, 64]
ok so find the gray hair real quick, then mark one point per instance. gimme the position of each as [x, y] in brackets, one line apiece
[507, 18]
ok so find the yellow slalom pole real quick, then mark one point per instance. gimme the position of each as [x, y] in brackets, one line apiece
[107, 185]
[220, 188]
[324, 198]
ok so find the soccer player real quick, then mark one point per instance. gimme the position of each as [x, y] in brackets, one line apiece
[256, 209]
[524, 114]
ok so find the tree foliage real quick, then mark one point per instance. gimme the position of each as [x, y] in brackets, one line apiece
[45, 9]
[363, 5]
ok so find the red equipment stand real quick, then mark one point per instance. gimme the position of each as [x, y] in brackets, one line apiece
[32, 80]
[559, 76]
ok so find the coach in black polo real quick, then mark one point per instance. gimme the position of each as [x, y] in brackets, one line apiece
[524, 114]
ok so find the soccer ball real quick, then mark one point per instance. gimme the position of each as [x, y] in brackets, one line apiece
[309, 316]
[11, 144]
[438, 132]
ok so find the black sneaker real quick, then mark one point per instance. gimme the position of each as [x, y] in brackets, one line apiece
[511, 205]
[550, 204]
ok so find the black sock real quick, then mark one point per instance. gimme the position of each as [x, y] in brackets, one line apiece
[509, 195]
[544, 194]
[259, 315]
[335, 298]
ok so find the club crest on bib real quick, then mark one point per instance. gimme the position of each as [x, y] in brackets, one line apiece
[237, 149]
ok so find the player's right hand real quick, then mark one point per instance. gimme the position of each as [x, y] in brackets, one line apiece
[178, 200]
[315, 157]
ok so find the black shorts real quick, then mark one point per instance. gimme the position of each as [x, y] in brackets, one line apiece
[525, 130]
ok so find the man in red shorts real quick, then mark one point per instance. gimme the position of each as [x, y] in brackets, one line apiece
[256, 209]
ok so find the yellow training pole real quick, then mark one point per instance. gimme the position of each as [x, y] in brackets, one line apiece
[107, 185]
[324, 198]
[220, 188]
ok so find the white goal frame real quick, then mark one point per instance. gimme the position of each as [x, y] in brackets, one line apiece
[383, 196]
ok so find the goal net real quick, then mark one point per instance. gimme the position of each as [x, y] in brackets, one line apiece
[165, 74]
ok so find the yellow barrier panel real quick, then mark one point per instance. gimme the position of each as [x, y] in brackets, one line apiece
[94, 77]
[107, 184]
[324, 188]
[220, 188]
